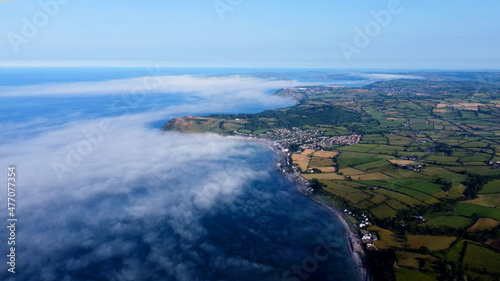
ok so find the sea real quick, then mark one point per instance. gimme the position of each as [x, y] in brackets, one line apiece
[101, 193]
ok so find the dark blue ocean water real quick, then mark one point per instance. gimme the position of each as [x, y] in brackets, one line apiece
[80, 230]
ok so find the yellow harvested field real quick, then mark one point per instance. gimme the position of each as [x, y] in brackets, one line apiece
[474, 108]
[484, 223]
[387, 239]
[327, 154]
[402, 162]
[407, 259]
[323, 176]
[351, 171]
[468, 104]
[301, 160]
[440, 110]
[486, 200]
[395, 118]
[433, 243]
[307, 152]
[326, 169]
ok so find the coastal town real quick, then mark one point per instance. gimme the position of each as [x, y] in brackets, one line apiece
[307, 139]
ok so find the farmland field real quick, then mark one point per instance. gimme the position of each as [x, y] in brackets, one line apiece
[487, 200]
[433, 243]
[371, 176]
[407, 200]
[350, 171]
[387, 238]
[491, 187]
[383, 211]
[372, 165]
[326, 154]
[465, 209]
[411, 260]
[325, 169]
[346, 158]
[396, 205]
[301, 160]
[323, 176]
[376, 198]
[419, 195]
[426, 187]
[404, 274]
[454, 253]
[321, 162]
[451, 221]
[481, 258]
[484, 223]
[402, 162]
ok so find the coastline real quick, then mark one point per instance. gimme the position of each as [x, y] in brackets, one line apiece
[352, 238]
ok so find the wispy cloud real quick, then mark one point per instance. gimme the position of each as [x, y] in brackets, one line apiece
[136, 200]
[204, 86]
[383, 76]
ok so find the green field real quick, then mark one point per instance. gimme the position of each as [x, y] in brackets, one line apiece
[418, 195]
[491, 187]
[396, 205]
[383, 211]
[465, 209]
[455, 252]
[372, 165]
[478, 257]
[347, 159]
[451, 221]
[351, 194]
[404, 274]
[426, 187]
[407, 200]
[376, 198]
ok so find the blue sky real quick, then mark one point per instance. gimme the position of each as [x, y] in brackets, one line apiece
[424, 35]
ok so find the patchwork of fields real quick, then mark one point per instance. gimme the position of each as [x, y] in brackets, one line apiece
[410, 171]
[415, 162]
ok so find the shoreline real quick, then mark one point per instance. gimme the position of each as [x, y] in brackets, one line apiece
[352, 238]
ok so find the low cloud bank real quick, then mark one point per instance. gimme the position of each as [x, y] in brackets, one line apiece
[204, 86]
[128, 205]
[383, 77]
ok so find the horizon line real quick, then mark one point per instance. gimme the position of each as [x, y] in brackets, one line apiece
[165, 64]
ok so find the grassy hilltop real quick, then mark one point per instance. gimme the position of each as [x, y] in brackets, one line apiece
[417, 159]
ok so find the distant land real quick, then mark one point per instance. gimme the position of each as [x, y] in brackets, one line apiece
[414, 164]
